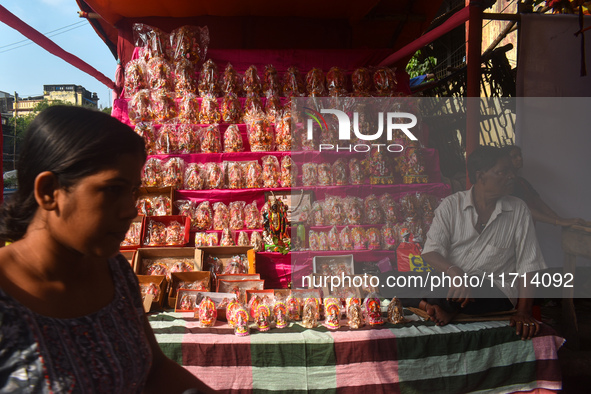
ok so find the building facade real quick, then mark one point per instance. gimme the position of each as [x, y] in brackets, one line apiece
[73, 94]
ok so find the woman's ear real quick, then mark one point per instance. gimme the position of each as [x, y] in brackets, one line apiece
[46, 188]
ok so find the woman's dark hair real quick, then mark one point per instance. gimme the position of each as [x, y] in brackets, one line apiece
[483, 159]
[72, 142]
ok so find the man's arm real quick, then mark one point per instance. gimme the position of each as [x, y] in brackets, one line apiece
[525, 325]
[460, 294]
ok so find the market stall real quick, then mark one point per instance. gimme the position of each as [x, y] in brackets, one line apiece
[183, 105]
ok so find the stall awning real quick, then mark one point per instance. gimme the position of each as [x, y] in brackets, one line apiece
[268, 24]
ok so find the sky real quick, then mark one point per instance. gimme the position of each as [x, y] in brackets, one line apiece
[26, 68]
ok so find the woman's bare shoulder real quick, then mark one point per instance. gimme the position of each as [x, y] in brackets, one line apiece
[6, 255]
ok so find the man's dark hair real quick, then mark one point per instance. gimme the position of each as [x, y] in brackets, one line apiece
[507, 149]
[483, 159]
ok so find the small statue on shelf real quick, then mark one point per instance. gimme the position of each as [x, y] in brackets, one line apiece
[262, 317]
[332, 313]
[276, 238]
[280, 312]
[241, 326]
[379, 167]
[373, 310]
[412, 165]
[309, 319]
[355, 316]
[293, 308]
[395, 311]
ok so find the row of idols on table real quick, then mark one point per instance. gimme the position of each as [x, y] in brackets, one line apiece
[268, 309]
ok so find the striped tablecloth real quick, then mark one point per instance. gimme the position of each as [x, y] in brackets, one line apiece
[415, 357]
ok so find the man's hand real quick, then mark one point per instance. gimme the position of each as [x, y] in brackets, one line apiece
[460, 294]
[525, 325]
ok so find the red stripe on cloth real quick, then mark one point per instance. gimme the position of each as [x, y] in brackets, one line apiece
[364, 346]
[210, 349]
[549, 372]
[13, 21]
[236, 380]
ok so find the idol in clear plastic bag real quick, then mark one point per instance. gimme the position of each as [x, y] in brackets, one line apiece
[315, 83]
[211, 139]
[184, 78]
[194, 176]
[160, 74]
[221, 216]
[231, 109]
[251, 81]
[136, 76]
[233, 139]
[168, 142]
[208, 79]
[254, 175]
[231, 82]
[293, 84]
[152, 172]
[271, 84]
[173, 171]
[237, 215]
[189, 109]
[210, 111]
[148, 133]
[139, 107]
[270, 171]
[362, 82]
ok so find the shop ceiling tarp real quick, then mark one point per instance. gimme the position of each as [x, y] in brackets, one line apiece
[268, 24]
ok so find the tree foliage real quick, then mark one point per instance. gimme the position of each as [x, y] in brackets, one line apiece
[23, 122]
[420, 64]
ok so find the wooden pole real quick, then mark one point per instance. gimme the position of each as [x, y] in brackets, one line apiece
[2, 164]
[14, 134]
[473, 60]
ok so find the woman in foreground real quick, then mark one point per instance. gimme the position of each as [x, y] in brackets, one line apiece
[71, 316]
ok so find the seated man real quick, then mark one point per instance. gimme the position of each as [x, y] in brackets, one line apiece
[484, 230]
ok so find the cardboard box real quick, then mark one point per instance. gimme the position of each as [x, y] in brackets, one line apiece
[239, 287]
[218, 277]
[225, 253]
[158, 191]
[282, 294]
[177, 277]
[160, 281]
[334, 265]
[167, 220]
[129, 255]
[160, 253]
[139, 219]
[189, 300]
